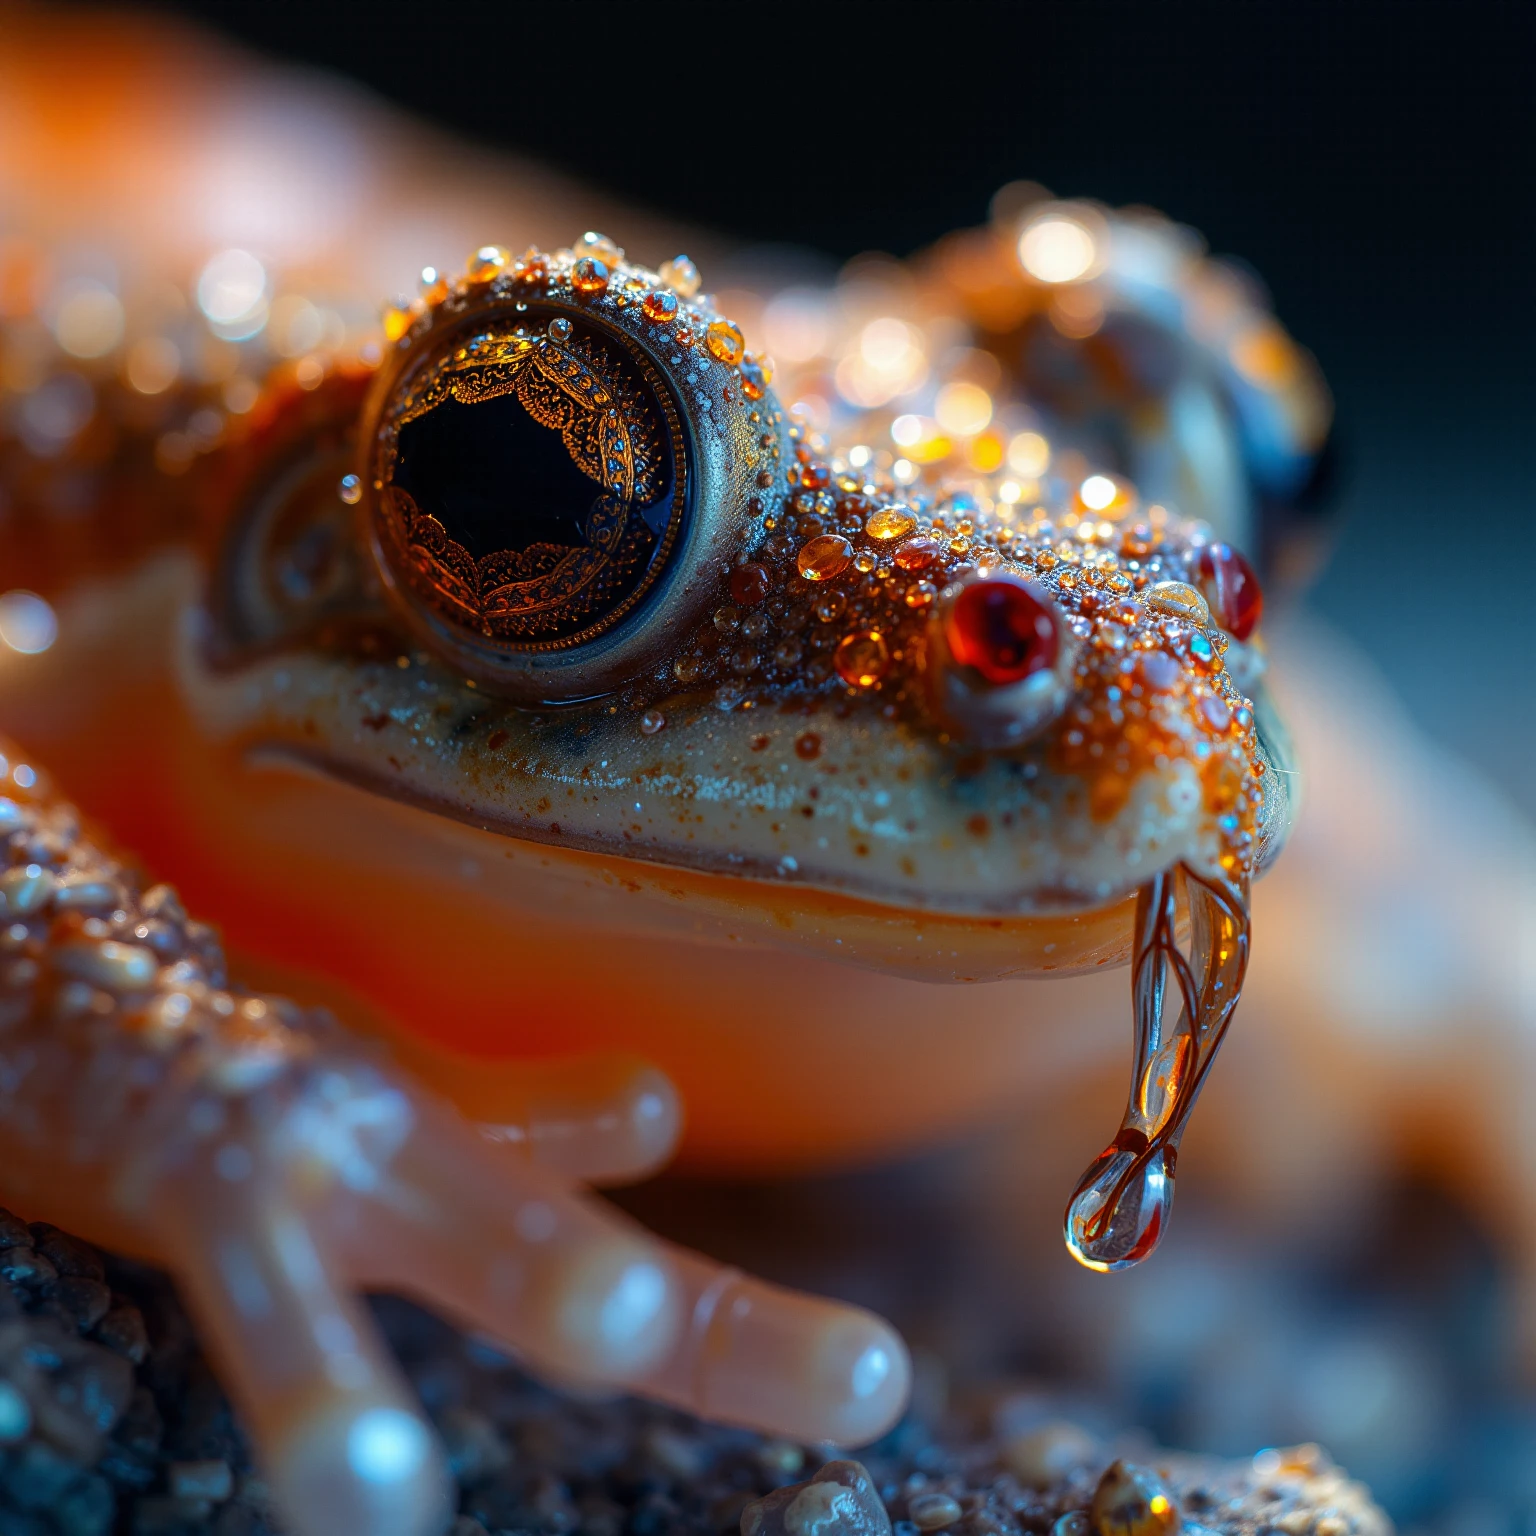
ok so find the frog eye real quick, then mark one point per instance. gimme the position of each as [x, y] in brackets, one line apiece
[556, 465]
[1001, 660]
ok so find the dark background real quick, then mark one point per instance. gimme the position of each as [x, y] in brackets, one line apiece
[1373, 161]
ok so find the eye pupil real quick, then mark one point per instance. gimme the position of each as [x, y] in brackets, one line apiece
[535, 482]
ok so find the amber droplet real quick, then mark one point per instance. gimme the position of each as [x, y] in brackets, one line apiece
[749, 584]
[917, 554]
[599, 247]
[815, 475]
[808, 746]
[1138, 542]
[824, 557]
[920, 594]
[889, 523]
[754, 381]
[681, 276]
[725, 342]
[532, 267]
[1179, 600]
[1004, 628]
[1133, 1501]
[589, 276]
[660, 306]
[861, 658]
[486, 263]
[1231, 588]
[830, 606]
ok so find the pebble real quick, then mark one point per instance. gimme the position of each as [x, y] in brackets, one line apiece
[84, 1302]
[840, 1500]
[933, 1511]
[211, 1480]
[125, 1432]
[26, 1266]
[109, 964]
[123, 1331]
[1045, 1455]
[475, 1447]
[1133, 1501]
[67, 1254]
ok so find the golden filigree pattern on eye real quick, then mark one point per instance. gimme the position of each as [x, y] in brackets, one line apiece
[534, 481]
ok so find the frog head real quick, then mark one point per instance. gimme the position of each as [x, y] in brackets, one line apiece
[564, 577]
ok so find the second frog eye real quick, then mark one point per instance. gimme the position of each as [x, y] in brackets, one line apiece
[535, 481]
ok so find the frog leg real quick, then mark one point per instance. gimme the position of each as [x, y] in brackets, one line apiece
[275, 1164]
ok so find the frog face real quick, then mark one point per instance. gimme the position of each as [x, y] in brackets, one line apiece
[588, 584]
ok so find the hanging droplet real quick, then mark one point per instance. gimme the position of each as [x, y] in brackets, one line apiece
[1119, 1211]
[1120, 1207]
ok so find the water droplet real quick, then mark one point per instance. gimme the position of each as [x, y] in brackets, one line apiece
[1119, 1211]
[725, 342]
[1120, 1207]
[681, 276]
[652, 721]
[589, 276]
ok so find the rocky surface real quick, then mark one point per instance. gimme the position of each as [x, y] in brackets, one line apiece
[111, 1424]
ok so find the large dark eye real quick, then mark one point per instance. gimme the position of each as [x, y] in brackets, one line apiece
[536, 480]
[555, 473]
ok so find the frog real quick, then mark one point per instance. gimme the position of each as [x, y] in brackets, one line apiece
[532, 683]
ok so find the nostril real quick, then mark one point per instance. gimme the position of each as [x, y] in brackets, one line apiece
[1003, 629]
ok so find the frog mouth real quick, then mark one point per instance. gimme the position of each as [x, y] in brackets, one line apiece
[838, 801]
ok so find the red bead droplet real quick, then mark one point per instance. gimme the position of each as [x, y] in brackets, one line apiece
[1231, 588]
[1004, 629]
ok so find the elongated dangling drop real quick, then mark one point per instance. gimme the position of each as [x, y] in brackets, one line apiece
[1119, 1210]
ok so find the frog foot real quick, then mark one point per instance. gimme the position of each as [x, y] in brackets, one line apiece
[276, 1165]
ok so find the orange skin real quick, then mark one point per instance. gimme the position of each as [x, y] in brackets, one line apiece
[315, 918]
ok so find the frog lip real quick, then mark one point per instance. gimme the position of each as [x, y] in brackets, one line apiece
[837, 800]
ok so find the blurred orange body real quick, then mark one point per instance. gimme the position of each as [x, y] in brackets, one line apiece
[397, 918]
